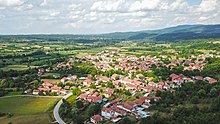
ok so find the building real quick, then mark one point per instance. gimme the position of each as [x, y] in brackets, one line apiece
[96, 119]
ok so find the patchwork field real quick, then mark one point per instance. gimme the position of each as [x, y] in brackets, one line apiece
[27, 110]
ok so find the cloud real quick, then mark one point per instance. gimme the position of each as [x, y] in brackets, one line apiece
[144, 5]
[9, 3]
[203, 18]
[207, 5]
[107, 5]
[103, 15]
[54, 13]
[25, 7]
[44, 3]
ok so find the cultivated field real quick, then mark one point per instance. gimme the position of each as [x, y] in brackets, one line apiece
[27, 110]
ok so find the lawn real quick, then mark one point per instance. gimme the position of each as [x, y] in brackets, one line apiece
[27, 109]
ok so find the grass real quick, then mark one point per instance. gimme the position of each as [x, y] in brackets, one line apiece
[14, 93]
[53, 81]
[27, 109]
[17, 67]
[72, 99]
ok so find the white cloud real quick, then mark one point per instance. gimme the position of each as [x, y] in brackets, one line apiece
[54, 13]
[44, 3]
[104, 15]
[180, 19]
[107, 5]
[144, 5]
[25, 7]
[8, 3]
[203, 18]
[207, 5]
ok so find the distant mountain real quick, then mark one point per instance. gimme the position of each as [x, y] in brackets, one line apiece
[182, 32]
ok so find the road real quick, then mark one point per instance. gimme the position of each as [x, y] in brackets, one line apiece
[56, 110]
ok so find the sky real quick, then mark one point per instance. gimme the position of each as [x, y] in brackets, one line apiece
[102, 16]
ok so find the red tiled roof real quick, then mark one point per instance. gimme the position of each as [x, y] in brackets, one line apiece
[97, 118]
[47, 84]
[115, 101]
[139, 102]
[108, 110]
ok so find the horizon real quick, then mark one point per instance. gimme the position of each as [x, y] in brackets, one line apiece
[107, 32]
[26, 17]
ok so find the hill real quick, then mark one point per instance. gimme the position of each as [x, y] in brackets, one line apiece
[181, 32]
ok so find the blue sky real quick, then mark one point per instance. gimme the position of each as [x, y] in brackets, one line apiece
[102, 16]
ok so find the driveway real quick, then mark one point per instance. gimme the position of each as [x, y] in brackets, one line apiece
[57, 107]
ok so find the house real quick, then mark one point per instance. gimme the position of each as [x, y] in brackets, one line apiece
[116, 83]
[126, 81]
[142, 114]
[94, 99]
[210, 80]
[28, 91]
[115, 101]
[82, 96]
[63, 80]
[146, 105]
[47, 84]
[44, 89]
[35, 92]
[160, 85]
[198, 77]
[96, 119]
[107, 113]
[87, 82]
[67, 87]
[128, 106]
[139, 102]
[118, 111]
[95, 94]
[108, 92]
[63, 91]
[131, 87]
[56, 89]
[114, 76]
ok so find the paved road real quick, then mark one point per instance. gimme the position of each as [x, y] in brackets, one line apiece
[56, 109]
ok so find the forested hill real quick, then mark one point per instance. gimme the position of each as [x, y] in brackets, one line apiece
[181, 32]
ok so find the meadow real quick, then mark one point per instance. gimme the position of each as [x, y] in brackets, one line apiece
[27, 110]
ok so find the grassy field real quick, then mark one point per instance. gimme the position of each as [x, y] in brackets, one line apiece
[27, 110]
[53, 81]
[17, 67]
[14, 93]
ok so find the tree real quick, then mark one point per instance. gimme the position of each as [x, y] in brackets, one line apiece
[194, 100]
[201, 93]
[92, 86]
[213, 91]
[110, 85]
[93, 109]
[74, 114]
[76, 91]
[126, 92]
[53, 93]
[126, 121]
[79, 104]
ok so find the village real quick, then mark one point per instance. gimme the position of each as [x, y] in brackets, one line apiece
[129, 78]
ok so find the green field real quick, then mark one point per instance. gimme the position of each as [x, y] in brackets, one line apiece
[17, 67]
[27, 110]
